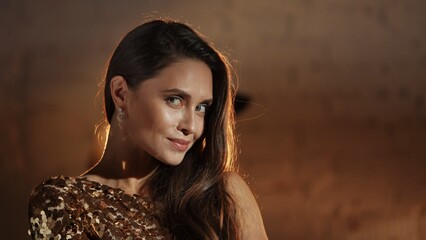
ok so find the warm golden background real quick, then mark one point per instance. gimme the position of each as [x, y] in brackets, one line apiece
[339, 152]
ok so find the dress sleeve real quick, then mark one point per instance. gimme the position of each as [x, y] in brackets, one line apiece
[54, 212]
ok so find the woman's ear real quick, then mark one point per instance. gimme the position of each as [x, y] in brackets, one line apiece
[119, 91]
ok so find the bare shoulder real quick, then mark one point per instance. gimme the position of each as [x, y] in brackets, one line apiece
[239, 190]
[248, 213]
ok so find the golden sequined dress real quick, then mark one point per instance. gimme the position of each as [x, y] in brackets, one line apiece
[77, 208]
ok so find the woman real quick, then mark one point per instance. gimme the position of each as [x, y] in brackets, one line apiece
[167, 171]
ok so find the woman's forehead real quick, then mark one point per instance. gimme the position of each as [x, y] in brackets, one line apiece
[192, 77]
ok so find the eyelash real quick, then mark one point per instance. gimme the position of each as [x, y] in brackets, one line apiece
[173, 98]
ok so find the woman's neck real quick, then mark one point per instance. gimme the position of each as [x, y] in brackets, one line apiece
[122, 166]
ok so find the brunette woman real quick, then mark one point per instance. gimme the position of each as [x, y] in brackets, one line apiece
[168, 168]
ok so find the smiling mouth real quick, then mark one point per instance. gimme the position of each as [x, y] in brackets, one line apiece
[179, 144]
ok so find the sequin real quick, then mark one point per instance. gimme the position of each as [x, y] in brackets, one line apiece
[77, 208]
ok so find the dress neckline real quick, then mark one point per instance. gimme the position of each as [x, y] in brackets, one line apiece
[116, 189]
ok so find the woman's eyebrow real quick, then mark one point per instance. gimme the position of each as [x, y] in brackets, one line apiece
[182, 93]
[177, 91]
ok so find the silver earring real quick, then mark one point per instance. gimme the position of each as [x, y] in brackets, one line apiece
[121, 115]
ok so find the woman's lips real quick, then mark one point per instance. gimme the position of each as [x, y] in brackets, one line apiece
[179, 144]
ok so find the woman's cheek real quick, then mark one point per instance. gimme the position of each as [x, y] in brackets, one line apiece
[170, 116]
[200, 127]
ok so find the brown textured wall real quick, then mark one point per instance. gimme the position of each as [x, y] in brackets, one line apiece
[334, 142]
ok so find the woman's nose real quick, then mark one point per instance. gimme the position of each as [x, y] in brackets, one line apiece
[187, 124]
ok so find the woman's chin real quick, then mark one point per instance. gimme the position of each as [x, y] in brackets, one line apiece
[175, 161]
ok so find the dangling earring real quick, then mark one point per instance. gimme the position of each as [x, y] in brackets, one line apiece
[121, 115]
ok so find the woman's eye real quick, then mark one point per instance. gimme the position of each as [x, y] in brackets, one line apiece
[175, 101]
[201, 108]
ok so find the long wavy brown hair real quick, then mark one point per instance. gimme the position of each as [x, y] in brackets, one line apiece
[192, 196]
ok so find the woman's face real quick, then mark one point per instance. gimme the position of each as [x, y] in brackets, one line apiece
[165, 114]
